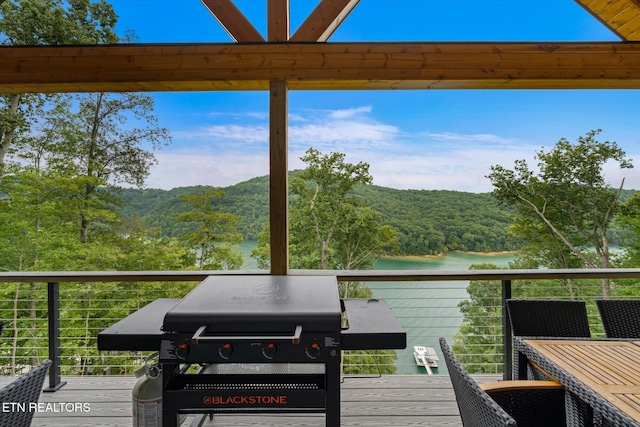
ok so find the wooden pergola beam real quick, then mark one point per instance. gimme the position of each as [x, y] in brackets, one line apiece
[318, 66]
[233, 21]
[324, 20]
[622, 17]
[278, 20]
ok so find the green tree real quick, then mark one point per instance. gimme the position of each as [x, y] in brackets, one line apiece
[629, 220]
[214, 233]
[330, 228]
[566, 205]
[99, 143]
[46, 22]
[66, 149]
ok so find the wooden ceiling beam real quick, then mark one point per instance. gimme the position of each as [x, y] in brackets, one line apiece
[319, 66]
[278, 20]
[233, 21]
[324, 20]
[622, 17]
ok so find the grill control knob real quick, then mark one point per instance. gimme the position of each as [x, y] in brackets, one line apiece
[183, 350]
[313, 351]
[226, 350]
[270, 350]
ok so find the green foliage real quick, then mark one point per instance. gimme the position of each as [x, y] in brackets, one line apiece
[433, 222]
[426, 222]
[479, 340]
[213, 233]
[46, 22]
[629, 221]
[564, 211]
[247, 200]
[56, 22]
[324, 212]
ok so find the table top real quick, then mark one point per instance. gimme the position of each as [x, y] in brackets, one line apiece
[609, 368]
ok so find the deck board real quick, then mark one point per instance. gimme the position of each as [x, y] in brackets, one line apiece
[390, 400]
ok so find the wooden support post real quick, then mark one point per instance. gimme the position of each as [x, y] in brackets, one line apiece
[279, 177]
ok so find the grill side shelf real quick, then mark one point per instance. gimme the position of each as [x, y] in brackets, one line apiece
[140, 331]
[372, 326]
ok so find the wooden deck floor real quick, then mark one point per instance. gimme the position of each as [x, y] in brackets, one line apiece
[392, 400]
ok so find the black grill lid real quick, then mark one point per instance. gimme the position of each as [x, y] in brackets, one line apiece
[230, 304]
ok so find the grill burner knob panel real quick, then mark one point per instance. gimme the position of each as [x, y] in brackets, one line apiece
[183, 350]
[313, 351]
[269, 351]
[226, 350]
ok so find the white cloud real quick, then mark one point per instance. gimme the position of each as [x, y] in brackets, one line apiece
[426, 165]
[337, 133]
[348, 113]
[228, 154]
[183, 168]
[479, 138]
[221, 133]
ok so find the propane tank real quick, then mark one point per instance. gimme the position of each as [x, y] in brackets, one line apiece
[147, 397]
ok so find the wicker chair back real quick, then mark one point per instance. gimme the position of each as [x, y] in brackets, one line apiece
[620, 317]
[548, 318]
[23, 392]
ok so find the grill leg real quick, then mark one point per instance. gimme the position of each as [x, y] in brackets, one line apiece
[332, 410]
[169, 417]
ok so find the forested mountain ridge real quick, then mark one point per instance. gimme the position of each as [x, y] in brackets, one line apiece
[427, 221]
[433, 221]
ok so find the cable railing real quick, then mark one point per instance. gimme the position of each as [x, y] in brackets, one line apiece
[58, 315]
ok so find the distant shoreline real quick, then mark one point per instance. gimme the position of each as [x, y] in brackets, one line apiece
[442, 254]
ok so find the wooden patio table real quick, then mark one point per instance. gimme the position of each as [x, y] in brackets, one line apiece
[601, 376]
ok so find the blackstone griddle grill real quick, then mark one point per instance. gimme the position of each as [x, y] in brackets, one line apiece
[267, 344]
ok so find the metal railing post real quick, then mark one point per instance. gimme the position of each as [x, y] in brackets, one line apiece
[53, 315]
[506, 332]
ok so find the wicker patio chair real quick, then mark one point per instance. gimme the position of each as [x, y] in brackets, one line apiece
[546, 318]
[620, 317]
[23, 391]
[504, 403]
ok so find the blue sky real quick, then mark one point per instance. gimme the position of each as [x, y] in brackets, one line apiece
[433, 140]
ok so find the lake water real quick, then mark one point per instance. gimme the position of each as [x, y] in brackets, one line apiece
[427, 310]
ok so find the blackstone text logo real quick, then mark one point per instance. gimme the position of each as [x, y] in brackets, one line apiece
[245, 400]
[57, 407]
[266, 289]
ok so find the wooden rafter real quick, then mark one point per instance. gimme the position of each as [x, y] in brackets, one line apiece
[317, 66]
[278, 20]
[620, 16]
[324, 20]
[233, 21]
